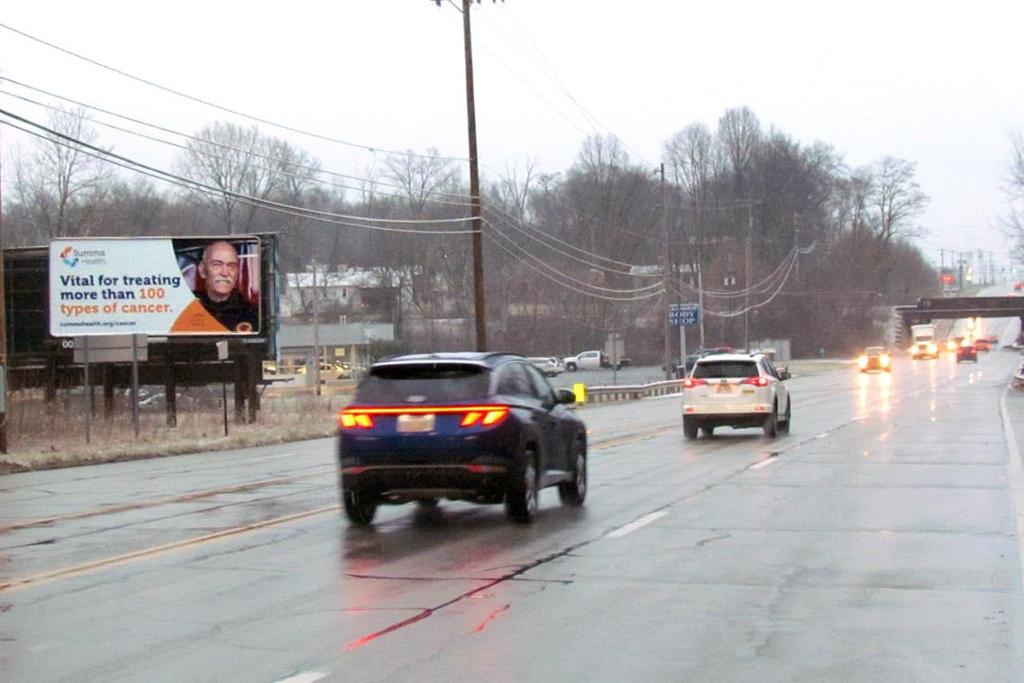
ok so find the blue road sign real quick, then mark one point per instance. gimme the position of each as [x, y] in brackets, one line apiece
[684, 314]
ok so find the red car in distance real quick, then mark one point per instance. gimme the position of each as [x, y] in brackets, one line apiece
[966, 352]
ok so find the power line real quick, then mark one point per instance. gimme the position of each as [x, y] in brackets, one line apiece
[747, 309]
[563, 284]
[214, 105]
[514, 224]
[69, 142]
[214, 143]
[313, 169]
[568, 277]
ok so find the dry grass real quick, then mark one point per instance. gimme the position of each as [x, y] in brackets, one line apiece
[42, 435]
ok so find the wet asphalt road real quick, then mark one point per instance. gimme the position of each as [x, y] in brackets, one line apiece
[878, 541]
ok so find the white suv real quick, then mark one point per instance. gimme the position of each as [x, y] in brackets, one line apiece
[735, 390]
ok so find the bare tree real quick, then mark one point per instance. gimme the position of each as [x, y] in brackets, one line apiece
[690, 155]
[739, 131]
[1014, 221]
[244, 168]
[58, 187]
[135, 207]
[897, 198]
[422, 178]
[512, 191]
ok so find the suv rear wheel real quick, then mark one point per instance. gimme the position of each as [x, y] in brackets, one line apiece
[575, 492]
[690, 428]
[359, 508]
[771, 423]
[784, 425]
[521, 499]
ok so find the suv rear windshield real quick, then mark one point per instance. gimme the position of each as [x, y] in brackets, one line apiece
[725, 368]
[434, 382]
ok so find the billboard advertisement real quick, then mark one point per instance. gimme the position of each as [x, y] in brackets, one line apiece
[155, 286]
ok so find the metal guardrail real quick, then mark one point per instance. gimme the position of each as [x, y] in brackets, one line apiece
[622, 392]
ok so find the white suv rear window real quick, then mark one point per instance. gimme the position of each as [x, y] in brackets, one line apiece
[725, 368]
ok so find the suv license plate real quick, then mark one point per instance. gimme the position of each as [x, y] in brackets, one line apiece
[415, 423]
[723, 388]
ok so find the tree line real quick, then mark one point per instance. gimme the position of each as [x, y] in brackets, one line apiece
[570, 256]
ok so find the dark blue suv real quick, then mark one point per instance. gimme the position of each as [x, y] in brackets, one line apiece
[479, 427]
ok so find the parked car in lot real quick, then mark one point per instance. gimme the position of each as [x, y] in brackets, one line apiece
[586, 360]
[479, 427]
[549, 365]
[338, 370]
[735, 390]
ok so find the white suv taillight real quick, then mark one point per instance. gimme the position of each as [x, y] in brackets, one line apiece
[756, 381]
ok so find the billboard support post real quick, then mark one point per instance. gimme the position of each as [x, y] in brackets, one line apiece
[88, 390]
[135, 385]
[222, 355]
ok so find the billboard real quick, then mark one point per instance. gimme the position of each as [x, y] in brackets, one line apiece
[155, 286]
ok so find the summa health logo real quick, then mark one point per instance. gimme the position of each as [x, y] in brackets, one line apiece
[67, 255]
[90, 257]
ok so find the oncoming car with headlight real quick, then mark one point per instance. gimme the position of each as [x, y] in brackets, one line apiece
[875, 358]
[735, 390]
[478, 427]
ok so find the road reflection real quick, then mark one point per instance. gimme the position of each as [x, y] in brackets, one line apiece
[874, 392]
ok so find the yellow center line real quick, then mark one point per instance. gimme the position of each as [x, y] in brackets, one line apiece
[642, 436]
[183, 498]
[36, 579]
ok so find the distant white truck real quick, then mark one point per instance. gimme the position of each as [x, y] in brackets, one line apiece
[924, 344]
[586, 360]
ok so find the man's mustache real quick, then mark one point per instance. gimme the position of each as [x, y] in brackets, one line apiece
[219, 280]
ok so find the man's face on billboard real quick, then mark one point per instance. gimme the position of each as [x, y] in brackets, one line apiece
[219, 268]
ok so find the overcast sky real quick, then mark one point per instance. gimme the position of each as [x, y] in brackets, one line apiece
[935, 83]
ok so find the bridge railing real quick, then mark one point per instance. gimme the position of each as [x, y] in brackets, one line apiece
[627, 392]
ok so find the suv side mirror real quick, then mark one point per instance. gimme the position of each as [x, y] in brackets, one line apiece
[565, 396]
[784, 374]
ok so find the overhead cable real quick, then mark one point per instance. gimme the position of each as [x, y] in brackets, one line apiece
[648, 288]
[214, 105]
[563, 284]
[220, 145]
[69, 142]
[206, 140]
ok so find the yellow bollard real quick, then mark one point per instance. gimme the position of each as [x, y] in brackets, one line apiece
[580, 390]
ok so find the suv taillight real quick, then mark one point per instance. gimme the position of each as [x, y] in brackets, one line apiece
[756, 381]
[483, 415]
[690, 383]
[348, 420]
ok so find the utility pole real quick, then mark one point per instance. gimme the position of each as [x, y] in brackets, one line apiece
[746, 282]
[666, 267]
[474, 191]
[3, 326]
[700, 298]
[796, 251]
[316, 333]
[942, 269]
[960, 276]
